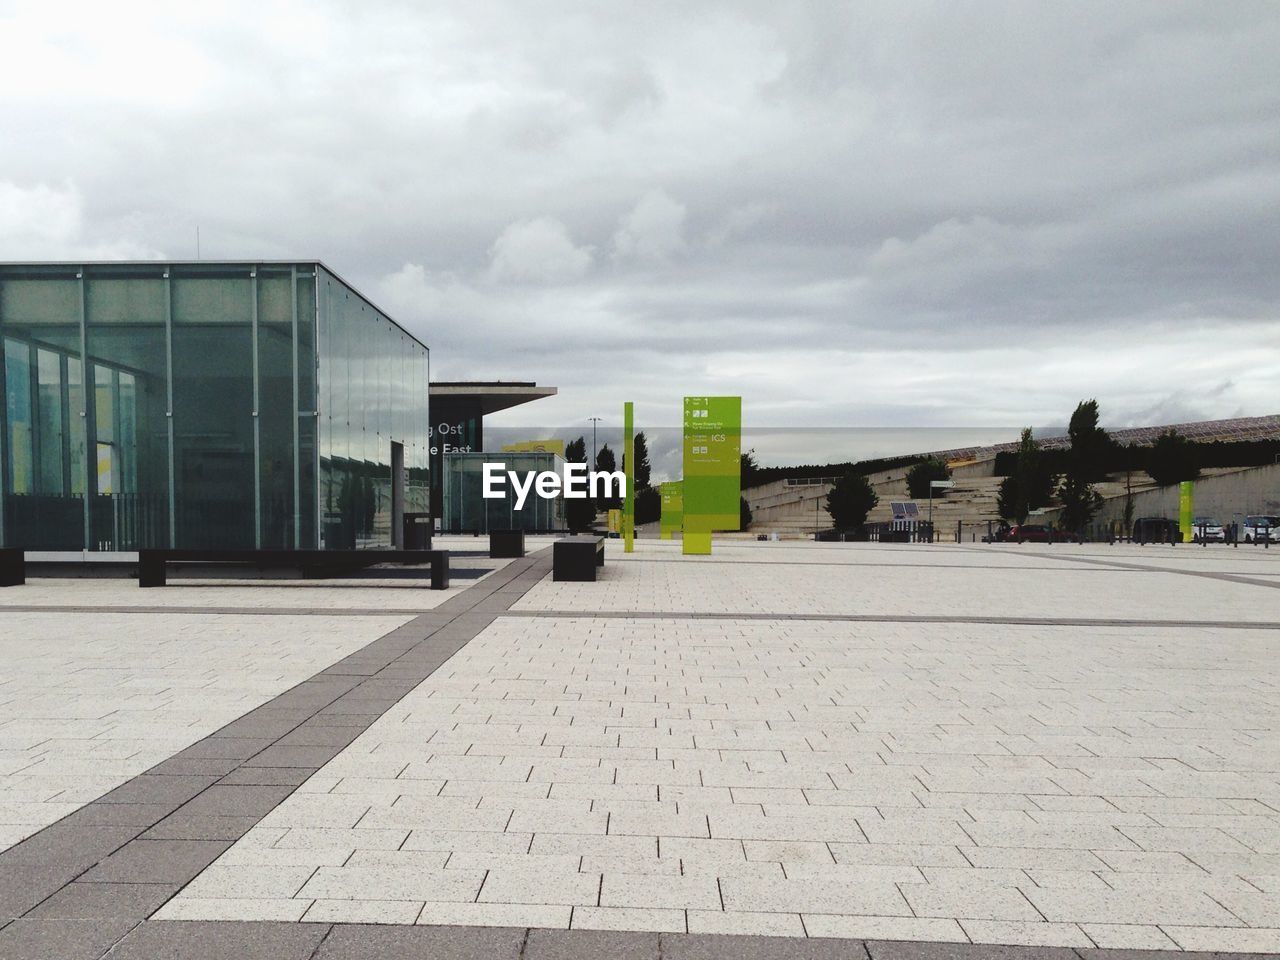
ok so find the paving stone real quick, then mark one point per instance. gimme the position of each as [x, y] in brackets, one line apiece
[704, 947]
[894, 950]
[928, 929]
[628, 918]
[226, 800]
[188, 826]
[43, 939]
[742, 922]
[132, 901]
[22, 887]
[363, 911]
[354, 942]
[198, 940]
[267, 776]
[535, 884]
[392, 883]
[72, 847]
[157, 861]
[580, 944]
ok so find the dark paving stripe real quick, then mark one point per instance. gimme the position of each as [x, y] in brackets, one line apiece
[120, 857]
[1121, 565]
[214, 611]
[32, 939]
[896, 618]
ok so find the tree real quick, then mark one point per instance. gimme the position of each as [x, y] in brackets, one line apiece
[578, 514]
[606, 463]
[748, 469]
[1008, 502]
[850, 500]
[919, 476]
[648, 506]
[744, 513]
[1173, 458]
[1086, 463]
[1030, 485]
[1091, 446]
[1079, 502]
[642, 472]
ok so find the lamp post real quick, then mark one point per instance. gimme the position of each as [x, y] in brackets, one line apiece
[937, 485]
[594, 421]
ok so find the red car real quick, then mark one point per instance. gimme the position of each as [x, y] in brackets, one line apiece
[1039, 533]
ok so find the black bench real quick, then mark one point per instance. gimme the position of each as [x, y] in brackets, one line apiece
[506, 544]
[576, 558]
[312, 563]
[13, 567]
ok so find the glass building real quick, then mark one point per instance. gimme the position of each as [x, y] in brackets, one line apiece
[467, 511]
[205, 405]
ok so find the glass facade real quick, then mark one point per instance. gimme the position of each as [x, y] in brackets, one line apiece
[232, 405]
[467, 511]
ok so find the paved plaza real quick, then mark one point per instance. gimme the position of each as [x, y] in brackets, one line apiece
[782, 750]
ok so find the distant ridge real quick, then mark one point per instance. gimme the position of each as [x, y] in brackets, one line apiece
[1204, 431]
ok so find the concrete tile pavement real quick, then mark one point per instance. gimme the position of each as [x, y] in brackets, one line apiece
[857, 783]
[771, 725]
[88, 703]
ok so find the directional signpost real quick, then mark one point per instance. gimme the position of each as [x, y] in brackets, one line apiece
[712, 469]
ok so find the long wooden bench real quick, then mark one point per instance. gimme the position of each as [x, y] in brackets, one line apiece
[152, 564]
[577, 558]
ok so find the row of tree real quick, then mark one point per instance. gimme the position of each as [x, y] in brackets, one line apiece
[580, 514]
[1031, 484]
[1070, 475]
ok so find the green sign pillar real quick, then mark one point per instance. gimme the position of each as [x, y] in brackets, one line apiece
[712, 469]
[672, 519]
[629, 459]
[1186, 509]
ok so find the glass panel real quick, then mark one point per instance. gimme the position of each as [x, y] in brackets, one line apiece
[50, 433]
[44, 480]
[75, 404]
[213, 412]
[368, 370]
[308, 426]
[275, 408]
[20, 417]
[125, 333]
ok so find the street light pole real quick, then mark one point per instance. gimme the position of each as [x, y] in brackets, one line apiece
[594, 421]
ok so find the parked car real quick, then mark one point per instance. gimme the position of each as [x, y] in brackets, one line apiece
[1260, 528]
[1156, 530]
[1207, 530]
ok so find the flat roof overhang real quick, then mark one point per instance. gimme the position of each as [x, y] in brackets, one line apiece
[492, 395]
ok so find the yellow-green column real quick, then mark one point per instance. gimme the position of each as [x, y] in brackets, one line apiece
[629, 495]
[1186, 509]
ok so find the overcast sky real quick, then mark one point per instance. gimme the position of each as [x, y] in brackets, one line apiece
[854, 214]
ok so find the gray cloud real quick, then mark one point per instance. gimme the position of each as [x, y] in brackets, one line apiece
[853, 214]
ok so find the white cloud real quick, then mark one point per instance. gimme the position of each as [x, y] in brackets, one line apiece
[47, 223]
[653, 231]
[840, 194]
[538, 251]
